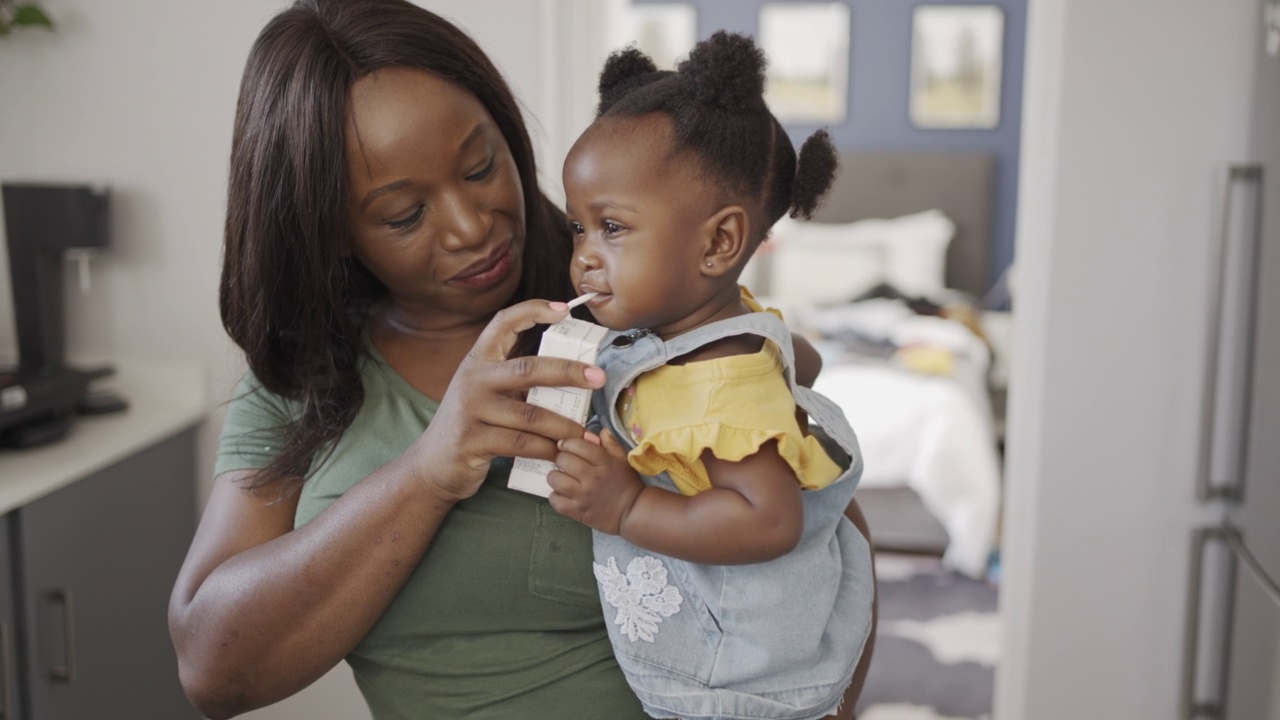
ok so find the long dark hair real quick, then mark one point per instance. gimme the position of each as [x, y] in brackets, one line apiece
[291, 296]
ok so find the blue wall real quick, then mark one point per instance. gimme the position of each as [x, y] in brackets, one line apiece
[879, 88]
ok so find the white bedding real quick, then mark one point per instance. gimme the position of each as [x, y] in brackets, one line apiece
[928, 434]
[932, 434]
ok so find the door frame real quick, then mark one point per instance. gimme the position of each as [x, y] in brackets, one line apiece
[1067, 645]
[1041, 98]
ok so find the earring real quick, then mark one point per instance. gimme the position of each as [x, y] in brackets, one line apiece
[708, 263]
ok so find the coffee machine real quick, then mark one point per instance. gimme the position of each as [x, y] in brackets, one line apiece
[41, 396]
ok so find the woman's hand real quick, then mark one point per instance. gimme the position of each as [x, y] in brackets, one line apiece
[260, 610]
[483, 414]
[593, 483]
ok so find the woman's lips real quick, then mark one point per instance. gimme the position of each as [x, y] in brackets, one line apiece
[488, 272]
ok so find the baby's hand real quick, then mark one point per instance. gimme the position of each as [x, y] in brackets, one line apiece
[593, 482]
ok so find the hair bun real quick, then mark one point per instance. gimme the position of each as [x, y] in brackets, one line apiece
[727, 71]
[624, 71]
[815, 172]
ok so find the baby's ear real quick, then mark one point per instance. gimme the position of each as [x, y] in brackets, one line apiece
[728, 235]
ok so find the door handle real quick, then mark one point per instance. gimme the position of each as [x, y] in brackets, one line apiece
[1272, 20]
[1228, 382]
[5, 687]
[66, 672]
[1194, 706]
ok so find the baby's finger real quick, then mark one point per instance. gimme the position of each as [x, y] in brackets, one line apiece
[564, 505]
[611, 445]
[574, 465]
[563, 484]
[584, 449]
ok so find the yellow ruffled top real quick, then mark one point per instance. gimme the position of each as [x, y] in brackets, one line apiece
[731, 406]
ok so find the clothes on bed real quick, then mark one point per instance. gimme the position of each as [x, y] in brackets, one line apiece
[927, 360]
[924, 418]
[731, 406]
[703, 642]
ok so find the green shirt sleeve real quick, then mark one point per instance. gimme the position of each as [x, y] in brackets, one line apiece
[255, 428]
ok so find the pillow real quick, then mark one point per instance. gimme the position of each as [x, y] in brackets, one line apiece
[803, 270]
[820, 263]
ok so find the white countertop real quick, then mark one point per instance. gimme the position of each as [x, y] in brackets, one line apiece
[165, 397]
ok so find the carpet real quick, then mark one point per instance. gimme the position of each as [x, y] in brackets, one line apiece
[936, 646]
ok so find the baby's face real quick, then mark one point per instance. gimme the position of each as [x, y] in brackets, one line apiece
[638, 219]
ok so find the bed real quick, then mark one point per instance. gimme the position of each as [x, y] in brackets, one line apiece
[886, 281]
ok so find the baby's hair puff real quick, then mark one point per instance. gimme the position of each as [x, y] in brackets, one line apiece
[815, 170]
[715, 99]
[727, 71]
[625, 71]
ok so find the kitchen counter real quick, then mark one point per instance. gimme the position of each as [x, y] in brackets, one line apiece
[165, 397]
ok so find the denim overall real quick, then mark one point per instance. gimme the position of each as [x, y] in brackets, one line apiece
[776, 640]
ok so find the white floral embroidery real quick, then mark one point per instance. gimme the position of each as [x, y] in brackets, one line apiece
[642, 596]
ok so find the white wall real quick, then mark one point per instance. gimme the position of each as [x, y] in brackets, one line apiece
[140, 94]
[1130, 108]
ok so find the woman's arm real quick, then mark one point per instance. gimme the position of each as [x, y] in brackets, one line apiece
[261, 610]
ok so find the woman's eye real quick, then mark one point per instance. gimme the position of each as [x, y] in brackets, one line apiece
[485, 171]
[408, 220]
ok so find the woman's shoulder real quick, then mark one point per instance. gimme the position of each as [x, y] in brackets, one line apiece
[251, 395]
[255, 427]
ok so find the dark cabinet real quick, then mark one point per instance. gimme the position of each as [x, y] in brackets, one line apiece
[10, 708]
[95, 562]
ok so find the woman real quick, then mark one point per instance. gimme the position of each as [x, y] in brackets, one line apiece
[385, 237]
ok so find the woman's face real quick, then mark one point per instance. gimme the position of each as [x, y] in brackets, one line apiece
[639, 222]
[436, 202]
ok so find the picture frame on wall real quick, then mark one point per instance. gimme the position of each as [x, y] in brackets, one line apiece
[808, 49]
[956, 66]
[666, 32]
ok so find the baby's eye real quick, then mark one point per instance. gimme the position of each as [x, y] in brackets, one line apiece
[611, 227]
[576, 228]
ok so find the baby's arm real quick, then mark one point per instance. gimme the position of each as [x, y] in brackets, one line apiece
[808, 361]
[752, 513]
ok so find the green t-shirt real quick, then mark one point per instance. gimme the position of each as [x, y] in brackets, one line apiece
[501, 618]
